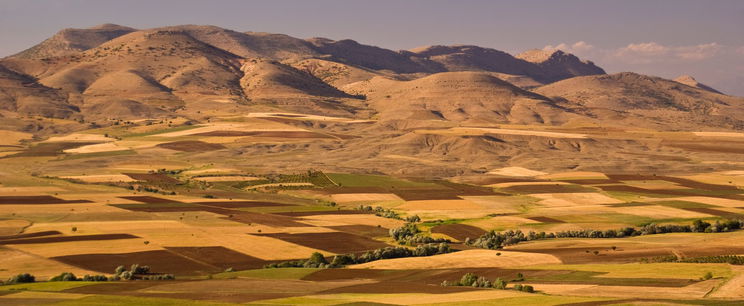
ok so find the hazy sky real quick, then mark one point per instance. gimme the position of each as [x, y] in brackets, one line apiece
[665, 38]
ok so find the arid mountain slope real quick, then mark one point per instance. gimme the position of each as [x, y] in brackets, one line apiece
[22, 94]
[558, 65]
[71, 41]
[690, 81]
[647, 102]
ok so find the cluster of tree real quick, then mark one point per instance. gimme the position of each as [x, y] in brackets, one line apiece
[388, 213]
[410, 234]
[69, 277]
[20, 278]
[729, 259]
[472, 280]
[317, 260]
[138, 272]
[496, 240]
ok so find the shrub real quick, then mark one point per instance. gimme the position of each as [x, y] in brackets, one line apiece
[21, 278]
[64, 277]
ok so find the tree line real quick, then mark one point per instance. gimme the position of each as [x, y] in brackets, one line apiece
[317, 260]
[497, 240]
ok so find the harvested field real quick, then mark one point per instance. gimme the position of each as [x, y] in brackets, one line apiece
[100, 178]
[365, 197]
[574, 199]
[336, 242]
[392, 286]
[161, 207]
[705, 200]
[426, 194]
[463, 259]
[439, 205]
[719, 146]
[34, 200]
[15, 261]
[150, 199]
[361, 219]
[155, 178]
[510, 184]
[654, 184]
[459, 231]
[220, 257]
[516, 172]
[660, 212]
[265, 219]
[546, 220]
[27, 240]
[322, 212]
[160, 261]
[575, 175]
[268, 134]
[191, 146]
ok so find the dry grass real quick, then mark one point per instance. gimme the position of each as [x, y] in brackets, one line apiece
[574, 175]
[100, 178]
[228, 126]
[511, 184]
[339, 220]
[80, 137]
[463, 259]
[729, 203]
[654, 184]
[719, 134]
[516, 172]
[482, 131]
[734, 287]
[13, 137]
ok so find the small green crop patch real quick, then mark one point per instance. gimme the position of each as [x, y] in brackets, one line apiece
[47, 286]
[595, 278]
[100, 154]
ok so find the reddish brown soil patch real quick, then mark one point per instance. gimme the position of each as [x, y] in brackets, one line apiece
[191, 146]
[155, 178]
[632, 204]
[468, 190]
[591, 181]
[459, 231]
[426, 194]
[219, 257]
[546, 219]
[265, 219]
[398, 287]
[272, 134]
[362, 230]
[336, 242]
[67, 238]
[37, 200]
[241, 204]
[716, 212]
[159, 262]
[149, 199]
[32, 235]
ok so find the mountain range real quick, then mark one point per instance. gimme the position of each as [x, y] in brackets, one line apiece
[110, 72]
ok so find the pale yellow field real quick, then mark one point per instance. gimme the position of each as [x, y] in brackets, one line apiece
[574, 199]
[211, 171]
[12, 227]
[232, 178]
[719, 134]
[101, 178]
[263, 247]
[41, 295]
[338, 220]
[439, 205]
[718, 178]
[500, 222]
[8, 190]
[516, 172]
[463, 259]
[659, 212]
[86, 247]
[360, 197]
[119, 145]
[734, 287]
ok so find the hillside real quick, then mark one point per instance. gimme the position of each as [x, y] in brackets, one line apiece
[71, 41]
[645, 101]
